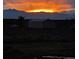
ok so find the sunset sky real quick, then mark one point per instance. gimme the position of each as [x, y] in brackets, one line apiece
[40, 5]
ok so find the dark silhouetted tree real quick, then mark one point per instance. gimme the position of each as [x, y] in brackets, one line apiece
[21, 18]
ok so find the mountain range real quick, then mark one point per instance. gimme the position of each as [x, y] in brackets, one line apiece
[14, 14]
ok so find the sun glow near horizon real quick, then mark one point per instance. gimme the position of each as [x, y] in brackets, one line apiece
[42, 10]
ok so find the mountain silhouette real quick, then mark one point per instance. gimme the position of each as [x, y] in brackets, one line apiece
[14, 14]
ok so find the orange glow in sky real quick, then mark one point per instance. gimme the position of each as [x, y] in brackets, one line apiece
[42, 10]
[40, 6]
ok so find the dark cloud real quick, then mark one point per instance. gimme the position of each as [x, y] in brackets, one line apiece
[72, 2]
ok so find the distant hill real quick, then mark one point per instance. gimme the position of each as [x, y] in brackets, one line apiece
[14, 14]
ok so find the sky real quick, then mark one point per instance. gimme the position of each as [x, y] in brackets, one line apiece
[35, 5]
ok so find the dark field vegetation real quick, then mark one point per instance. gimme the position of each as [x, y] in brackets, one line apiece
[53, 37]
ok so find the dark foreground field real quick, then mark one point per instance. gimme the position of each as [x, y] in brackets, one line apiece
[24, 42]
